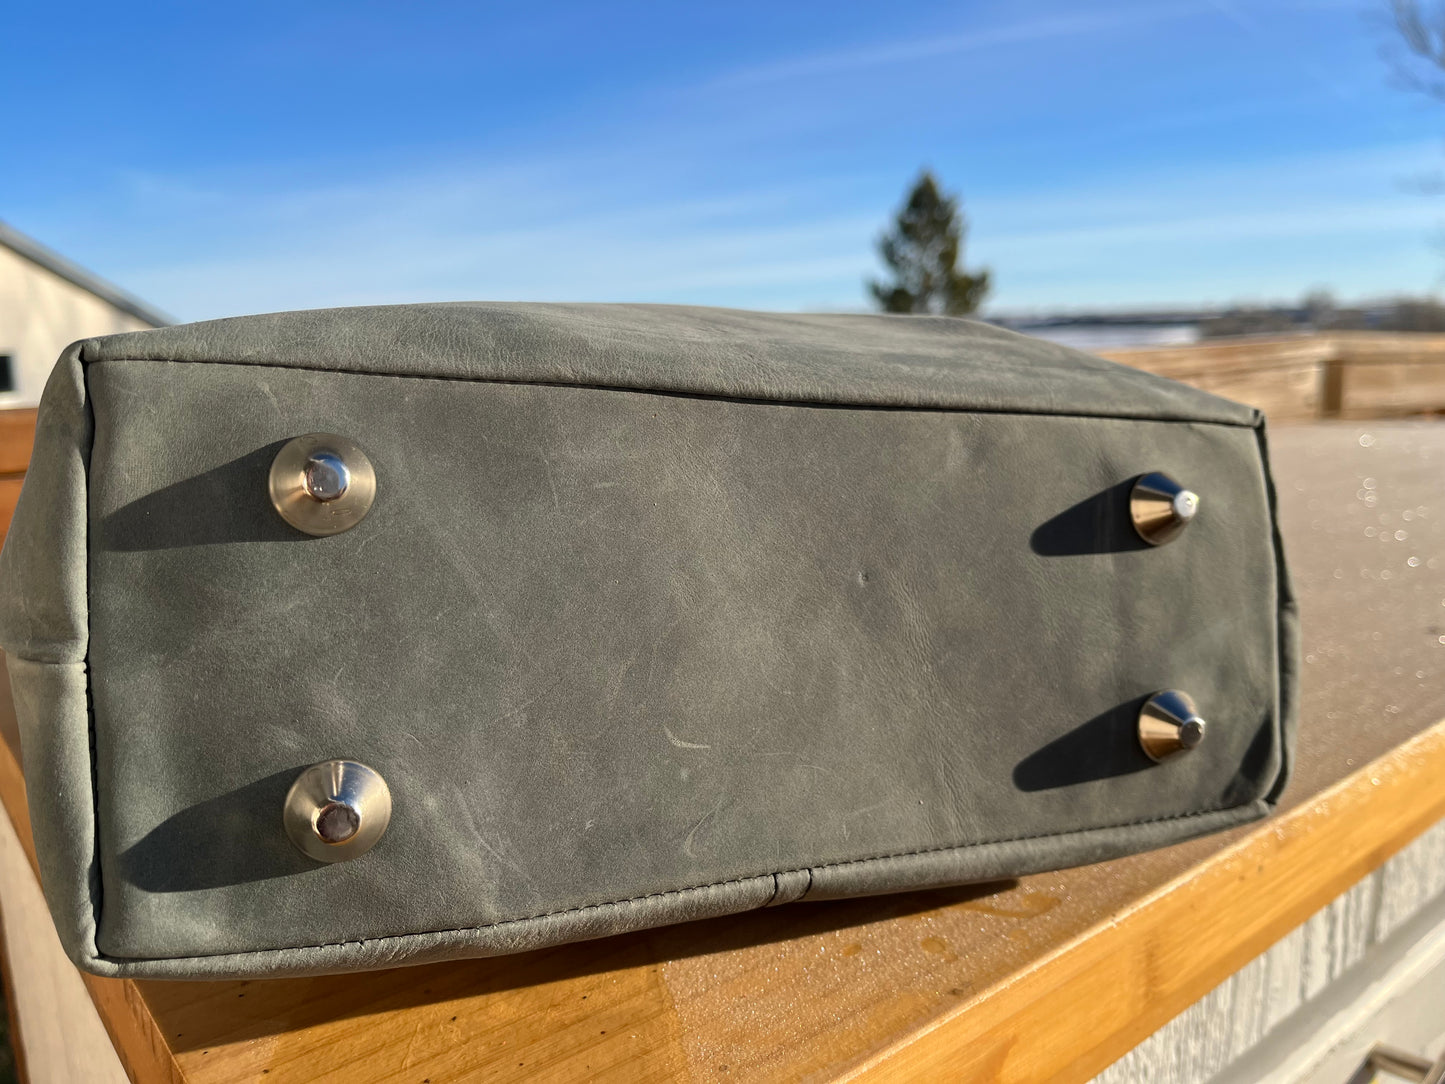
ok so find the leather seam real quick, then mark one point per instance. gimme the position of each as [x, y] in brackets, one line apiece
[1285, 603]
[674, 892]
[726, 397]
[96, 877]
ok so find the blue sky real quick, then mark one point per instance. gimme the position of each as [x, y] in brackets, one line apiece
[222, 159]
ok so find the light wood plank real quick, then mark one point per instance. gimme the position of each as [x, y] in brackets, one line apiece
[1302, 377]
[58, 1032]
[1113, 986]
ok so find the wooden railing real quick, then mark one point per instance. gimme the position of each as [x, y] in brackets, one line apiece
[1349, 375]
[17, 434]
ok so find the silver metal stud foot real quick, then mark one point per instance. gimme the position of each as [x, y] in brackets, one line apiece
[1169, 724]
[1161, 508]
[337, 810]
[322, 483]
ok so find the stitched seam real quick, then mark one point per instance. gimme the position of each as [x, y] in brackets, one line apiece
[665, 893]
[97, 877]
[715, 396]
[1274, 791]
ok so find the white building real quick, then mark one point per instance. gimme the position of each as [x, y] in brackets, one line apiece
[46, 303]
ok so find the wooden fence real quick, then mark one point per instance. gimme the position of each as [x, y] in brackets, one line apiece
[1301, 378]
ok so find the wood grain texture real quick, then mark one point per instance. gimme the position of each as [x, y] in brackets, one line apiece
[1110, 988]
[1301, 378]
[1286, 1009]
[965, 983]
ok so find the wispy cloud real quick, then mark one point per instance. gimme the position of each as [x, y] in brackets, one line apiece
[1261, 228]
[939, 45]
[464, 235]
[1320, 75]
[476, 234]
[1081, 187]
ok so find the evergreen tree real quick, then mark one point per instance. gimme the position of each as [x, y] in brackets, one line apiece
[924, 252]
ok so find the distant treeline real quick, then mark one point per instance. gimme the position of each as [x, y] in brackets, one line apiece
[1320, 312]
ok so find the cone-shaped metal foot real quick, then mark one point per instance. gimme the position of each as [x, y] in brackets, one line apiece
[1161, 508]
[1169, 724]
[322, 483]
[337, 810]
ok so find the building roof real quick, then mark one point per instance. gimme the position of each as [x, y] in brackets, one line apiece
[57, 264]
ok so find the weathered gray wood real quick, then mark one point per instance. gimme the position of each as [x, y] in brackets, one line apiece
[1225, 1034]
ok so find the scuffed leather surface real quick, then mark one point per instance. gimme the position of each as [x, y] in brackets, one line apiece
[627, 657]
[874, 360]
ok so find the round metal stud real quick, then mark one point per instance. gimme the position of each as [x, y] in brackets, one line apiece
[326, 476]
[1161, 508]
[337, 810]
[322, 483]
[1169, 724]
